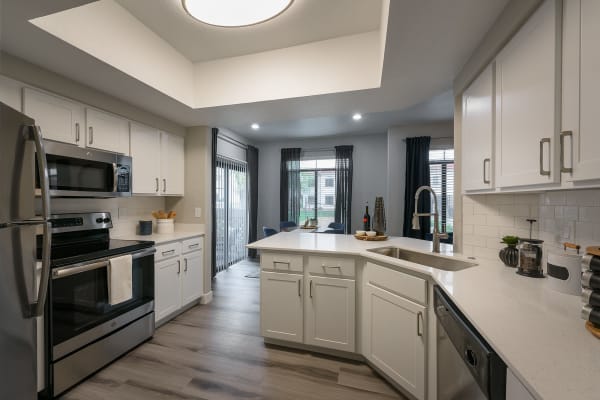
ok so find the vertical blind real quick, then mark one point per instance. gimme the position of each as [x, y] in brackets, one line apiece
[441, 176]
[231, 208]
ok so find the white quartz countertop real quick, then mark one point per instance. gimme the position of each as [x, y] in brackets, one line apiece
[537, 331]
[163, 237]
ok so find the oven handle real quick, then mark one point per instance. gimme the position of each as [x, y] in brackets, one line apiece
[103, 263]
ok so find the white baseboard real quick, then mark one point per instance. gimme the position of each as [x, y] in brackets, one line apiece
[207, 298]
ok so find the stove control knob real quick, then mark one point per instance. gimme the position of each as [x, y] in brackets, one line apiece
[106, 220]
[99, 220]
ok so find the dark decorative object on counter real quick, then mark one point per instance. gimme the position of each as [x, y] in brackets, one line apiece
[379, 224]
[510, 254]
[145, 228]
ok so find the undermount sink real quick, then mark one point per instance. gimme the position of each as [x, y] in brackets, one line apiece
[426, 259]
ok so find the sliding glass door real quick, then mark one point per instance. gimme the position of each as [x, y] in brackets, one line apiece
[231, 211]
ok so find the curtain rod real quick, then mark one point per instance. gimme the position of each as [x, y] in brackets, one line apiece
[435, 138]
[232, 141]
[319, 149]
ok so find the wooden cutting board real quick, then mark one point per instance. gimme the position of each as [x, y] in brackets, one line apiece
[594, 250]
[592, 329]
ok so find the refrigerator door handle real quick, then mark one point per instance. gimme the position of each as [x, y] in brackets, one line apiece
[36, 137]
[37, 308]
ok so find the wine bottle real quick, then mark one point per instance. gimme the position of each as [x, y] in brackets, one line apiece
[367, 219]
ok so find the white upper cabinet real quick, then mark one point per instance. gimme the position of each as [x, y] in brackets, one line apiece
[477, 133]
[580, 158]
[106, 131]
[172, 165]
[59, 119]
[527, 102]
[145, 154]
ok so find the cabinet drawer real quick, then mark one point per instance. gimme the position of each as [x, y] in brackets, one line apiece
[193, 244]
[331, 266]
[166, 251]
[282, 262]
[396, 282]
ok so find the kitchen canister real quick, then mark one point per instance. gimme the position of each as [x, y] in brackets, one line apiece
[145, 228]
[165, 225]
[564, 270]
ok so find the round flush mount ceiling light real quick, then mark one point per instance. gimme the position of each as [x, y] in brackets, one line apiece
[357, 117]
[255, 126]
[234, 13]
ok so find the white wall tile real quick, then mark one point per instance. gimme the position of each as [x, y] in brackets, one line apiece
[583, 197]
[589, 214]
[515, 210]
[500, 221]
[566, 212]
[557, 198]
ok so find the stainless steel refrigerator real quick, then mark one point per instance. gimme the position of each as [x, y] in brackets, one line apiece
[21, 296]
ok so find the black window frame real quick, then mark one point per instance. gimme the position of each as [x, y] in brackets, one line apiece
[444, 187]
[315, 171]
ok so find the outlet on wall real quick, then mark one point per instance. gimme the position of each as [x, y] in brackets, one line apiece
[197, 212]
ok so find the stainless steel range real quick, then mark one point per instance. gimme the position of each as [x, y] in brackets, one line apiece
[85, 331]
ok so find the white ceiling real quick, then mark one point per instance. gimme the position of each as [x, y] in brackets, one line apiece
[305, 21]
[427, 43]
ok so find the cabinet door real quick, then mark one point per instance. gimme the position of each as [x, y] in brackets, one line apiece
[477, 133]
[59, 119]
[172, 164]
[192, 282]
[281, 315]
[167, 287]
[395, 339]
[330, 313]
[145, 155]
[106, 131]
[527, 103]
[515, 389]
[581, 84]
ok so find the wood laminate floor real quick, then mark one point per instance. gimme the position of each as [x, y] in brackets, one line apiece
[215, 352]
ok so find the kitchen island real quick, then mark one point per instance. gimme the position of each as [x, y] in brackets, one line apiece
[537, 332]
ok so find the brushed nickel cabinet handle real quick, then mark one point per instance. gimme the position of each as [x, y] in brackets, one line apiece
[310, 288]
[486, 161]
[178, 267]
[563, 168]
[157, 185]
[91, 132]
[419, 318]
[299, 288]
[544, 172]
[185, 265]
[77, 136]
[164, 185]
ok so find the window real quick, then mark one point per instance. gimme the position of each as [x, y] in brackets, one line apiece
[441, 171]
[317, 187]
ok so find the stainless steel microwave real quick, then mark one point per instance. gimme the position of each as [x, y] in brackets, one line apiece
[80, 172]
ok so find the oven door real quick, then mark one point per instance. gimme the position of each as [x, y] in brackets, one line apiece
[80, 312]
[77, 172]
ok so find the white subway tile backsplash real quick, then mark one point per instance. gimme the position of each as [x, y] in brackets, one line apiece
[572, 215]
[557, 198]
[475, 240]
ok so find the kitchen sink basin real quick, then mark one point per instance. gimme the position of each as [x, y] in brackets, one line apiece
[426, 259]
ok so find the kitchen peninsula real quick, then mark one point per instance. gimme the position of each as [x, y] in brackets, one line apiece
[319, 291]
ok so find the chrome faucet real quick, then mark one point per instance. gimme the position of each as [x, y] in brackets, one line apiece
[415, 220]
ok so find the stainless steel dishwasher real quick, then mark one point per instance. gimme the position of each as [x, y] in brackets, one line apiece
[467, 367]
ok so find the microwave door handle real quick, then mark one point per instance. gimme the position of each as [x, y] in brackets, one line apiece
[115, 177]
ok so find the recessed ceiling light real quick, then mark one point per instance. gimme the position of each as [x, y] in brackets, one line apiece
[233, 13]
[357, 117]
[255, 126]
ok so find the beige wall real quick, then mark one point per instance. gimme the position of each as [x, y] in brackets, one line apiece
[42, 78]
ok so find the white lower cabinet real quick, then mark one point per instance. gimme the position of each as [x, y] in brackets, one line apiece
[167, 288]
[178, 276]
[395, 338]
[331, 313]
[515, 390]
[281, 306]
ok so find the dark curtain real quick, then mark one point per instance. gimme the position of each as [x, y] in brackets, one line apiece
[215, 134]
[252, 161]
[343, 186]
[417, 174]
[289, 187]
